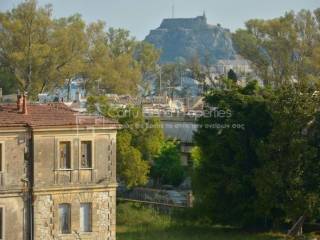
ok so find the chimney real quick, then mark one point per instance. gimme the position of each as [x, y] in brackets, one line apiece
[19, 102]
[24, 104]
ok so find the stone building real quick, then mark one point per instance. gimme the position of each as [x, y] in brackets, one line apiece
[57, 173]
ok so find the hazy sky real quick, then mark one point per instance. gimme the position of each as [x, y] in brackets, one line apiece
[140, 16]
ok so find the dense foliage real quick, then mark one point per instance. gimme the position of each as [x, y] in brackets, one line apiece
[283, 49]
[167, 168]
[259, 166]
[40, 53]
[287, 182]
[239, 121]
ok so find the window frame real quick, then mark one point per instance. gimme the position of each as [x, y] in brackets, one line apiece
[81, 219]
[91, 140]
[3, 222]
[70, 218]
[2, 158]
[71, 155]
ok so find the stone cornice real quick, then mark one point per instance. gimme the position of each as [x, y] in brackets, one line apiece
[73, 189]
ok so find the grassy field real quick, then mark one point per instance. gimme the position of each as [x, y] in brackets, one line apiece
[135, 222]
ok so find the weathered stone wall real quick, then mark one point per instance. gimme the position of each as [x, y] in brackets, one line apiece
[95, 185]
[14, 160]
[43, 217]
[13, 217]
[54, 186]
[46, 170]
[189, 23]
[106, 215]
[103, 215]
[12, 183]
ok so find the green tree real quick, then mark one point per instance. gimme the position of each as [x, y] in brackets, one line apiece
[281, 49]
[39, 51]
[24, 42]
[167, 168]
[120, 42]
[7, 82]
[151, 139]
[147, 56]
[266, 170]
[68, 45]
[121, 73]
[146, 139]
[285, 182]
[227, 139]
[196, 157]
[131, 168]
[96, 58]
[43, 53]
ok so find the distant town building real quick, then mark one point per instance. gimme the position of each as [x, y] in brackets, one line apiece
[239, 65]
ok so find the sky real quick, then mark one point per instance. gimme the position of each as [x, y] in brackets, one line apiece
[140, 16]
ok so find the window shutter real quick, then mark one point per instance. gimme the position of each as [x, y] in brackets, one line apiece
[65, 155]
[1, 153]
[84, 154]
[62, 155]
[1, 223]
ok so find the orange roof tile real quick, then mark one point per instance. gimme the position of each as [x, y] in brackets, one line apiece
[46, 115]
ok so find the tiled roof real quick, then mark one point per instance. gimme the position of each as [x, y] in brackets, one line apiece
[49, 115]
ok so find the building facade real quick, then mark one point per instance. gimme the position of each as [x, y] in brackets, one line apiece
[57, 173]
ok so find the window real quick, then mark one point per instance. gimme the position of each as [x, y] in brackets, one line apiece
[1, 223]
[65, 155]
[1, 157]
[85, 217]
[65, 218]
[86, 154]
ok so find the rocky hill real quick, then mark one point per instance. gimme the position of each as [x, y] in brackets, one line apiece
[188, 37]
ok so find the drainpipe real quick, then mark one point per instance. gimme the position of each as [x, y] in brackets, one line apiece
[29, 193]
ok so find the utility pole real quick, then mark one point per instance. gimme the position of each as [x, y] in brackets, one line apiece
[159, 69]
[173, 10]
[160, 81]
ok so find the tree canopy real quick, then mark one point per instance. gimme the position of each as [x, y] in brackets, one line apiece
[42, 53]
[227, 142]
[167, 168]
[284, 49]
